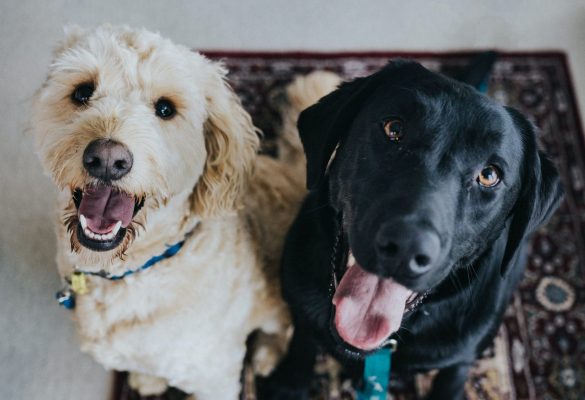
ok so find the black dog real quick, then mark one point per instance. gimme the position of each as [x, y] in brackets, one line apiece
[422, 194]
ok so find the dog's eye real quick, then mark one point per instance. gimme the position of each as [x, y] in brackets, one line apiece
[489, 176]
[82, 93]
[164, 108]
[393, 129]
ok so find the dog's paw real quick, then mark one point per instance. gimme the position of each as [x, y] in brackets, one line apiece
[147, 385]
[265, 359]
[267, 349]
[269, 389]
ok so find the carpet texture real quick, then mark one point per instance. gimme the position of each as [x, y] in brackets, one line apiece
[540, 350]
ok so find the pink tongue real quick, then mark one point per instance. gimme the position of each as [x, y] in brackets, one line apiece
[368, 308]
[102, 207]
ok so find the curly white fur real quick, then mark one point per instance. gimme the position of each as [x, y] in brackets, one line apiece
[185, 321]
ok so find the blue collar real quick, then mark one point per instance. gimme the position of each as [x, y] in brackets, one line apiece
[168, 253]
[66, 296]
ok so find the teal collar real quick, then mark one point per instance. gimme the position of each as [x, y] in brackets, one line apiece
[376, 376]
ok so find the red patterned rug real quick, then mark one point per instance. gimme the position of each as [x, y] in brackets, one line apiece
[540, 351]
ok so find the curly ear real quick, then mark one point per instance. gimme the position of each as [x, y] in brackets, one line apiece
[323, 125]
[231, 142]
[540, 195]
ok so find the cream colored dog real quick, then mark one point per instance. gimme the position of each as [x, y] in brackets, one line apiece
[151, 148]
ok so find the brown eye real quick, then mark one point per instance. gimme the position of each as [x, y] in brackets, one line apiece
[164, 108]
[393, 129]
[489, 176]
[82, 93]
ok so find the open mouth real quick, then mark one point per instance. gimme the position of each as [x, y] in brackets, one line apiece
[368, 308]
[104, 214]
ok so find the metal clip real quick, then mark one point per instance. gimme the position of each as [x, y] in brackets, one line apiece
[392, 345]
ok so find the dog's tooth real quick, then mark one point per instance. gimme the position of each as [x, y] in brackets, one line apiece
[351, 260]
[83, 221]
[87, 232]
[116, 228]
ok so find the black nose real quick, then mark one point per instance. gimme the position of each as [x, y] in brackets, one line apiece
[407, 249]
[107, 159]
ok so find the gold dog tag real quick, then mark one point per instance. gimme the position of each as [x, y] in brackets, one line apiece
[79, 283]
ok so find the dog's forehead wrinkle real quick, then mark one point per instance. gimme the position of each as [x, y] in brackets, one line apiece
[465, 145]
[435, 105]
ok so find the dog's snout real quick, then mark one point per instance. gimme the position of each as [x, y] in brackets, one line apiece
[107, 159]
[407, 249]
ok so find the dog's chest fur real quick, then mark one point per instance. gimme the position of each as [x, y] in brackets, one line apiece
[190, 304]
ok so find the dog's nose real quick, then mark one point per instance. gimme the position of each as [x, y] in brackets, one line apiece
[107, 159]
[407, 249]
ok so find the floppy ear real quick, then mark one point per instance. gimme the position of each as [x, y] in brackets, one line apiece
[231, 142]
[477, 72]
[540, 194]
[323, 125]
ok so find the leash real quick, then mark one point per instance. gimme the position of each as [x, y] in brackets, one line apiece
[376, 377]
[77, 285]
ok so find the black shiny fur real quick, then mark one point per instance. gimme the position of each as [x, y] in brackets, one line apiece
[427, 180]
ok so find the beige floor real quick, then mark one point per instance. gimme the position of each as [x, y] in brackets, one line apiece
[38, 352]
